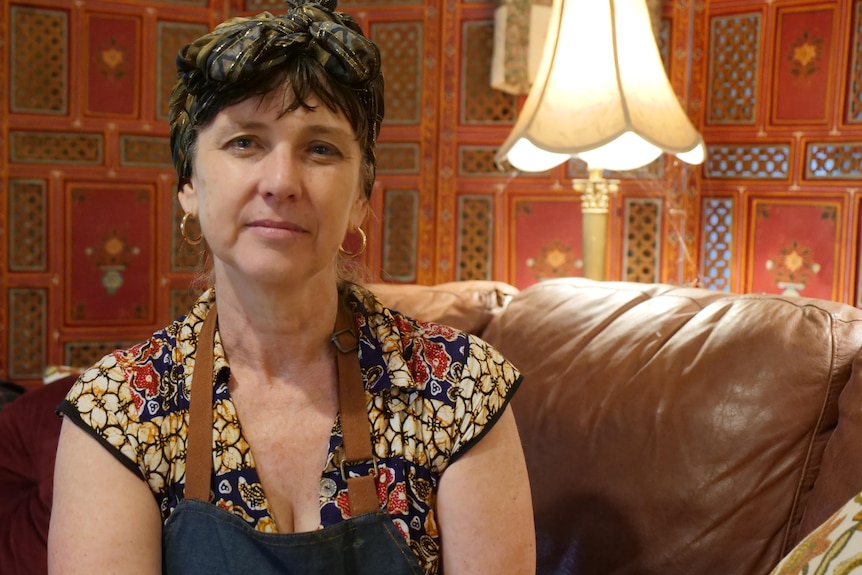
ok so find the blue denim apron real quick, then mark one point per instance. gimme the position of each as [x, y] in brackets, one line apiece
[201, 538]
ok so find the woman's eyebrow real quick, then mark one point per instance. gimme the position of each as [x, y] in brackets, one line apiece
[240, 124]
[315, 129]
[328, 130]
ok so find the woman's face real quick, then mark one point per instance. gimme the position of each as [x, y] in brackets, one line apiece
[276, 192]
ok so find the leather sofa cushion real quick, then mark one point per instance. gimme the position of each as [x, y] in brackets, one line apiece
[840, 475]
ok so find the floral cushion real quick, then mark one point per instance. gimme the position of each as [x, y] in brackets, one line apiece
[834, 548]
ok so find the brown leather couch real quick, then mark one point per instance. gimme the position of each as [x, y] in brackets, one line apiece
[675, 430]
[667, 430]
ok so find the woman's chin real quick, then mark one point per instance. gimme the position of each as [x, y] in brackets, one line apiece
[272, 275]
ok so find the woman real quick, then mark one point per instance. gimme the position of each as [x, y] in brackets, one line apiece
[262, 445]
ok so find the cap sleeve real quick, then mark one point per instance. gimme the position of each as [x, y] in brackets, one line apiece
[487, 384]
[100, 402]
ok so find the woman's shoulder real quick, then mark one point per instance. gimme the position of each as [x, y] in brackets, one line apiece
[369, 306]
[408, 329]
[148, 375]
[454, 384]
[390, 327]
[423, 355]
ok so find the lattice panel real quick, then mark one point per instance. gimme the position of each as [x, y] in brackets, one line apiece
[145, 151]
[764, 162]
[397, 158]
[187, 2]
[477, 161]
[400, 46]
[185, 258]
[653, 171]
[833, 161]
[28, 313]
[642, 233]
[38, 36]
[854, 85]
[577, 168]
[662, 40]
[270, 5]
[86, 353]
[480, 103]
[55, 148]
[717, 249]
[182, 301]
[28, 228]
[171, 36]
[734, 63]
[276, 6]
[400, 230]
[475, 236]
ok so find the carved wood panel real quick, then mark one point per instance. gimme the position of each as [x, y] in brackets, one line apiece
[774, 85]
[782, 124]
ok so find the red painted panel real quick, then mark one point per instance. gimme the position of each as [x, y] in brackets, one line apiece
[545, 240]
[112, 78]
[803, 61]
[110, 255]
[795, 247]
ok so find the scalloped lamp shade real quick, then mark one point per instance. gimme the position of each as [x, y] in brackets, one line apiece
[601, 94]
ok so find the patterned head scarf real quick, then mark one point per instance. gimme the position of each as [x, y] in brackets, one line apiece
[233, 62]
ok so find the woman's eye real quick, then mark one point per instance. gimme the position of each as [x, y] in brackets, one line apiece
[324, 149]
[240, 143]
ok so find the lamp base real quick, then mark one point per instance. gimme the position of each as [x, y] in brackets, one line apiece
[595, 202]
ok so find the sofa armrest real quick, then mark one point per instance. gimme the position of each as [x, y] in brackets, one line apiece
[466, 305]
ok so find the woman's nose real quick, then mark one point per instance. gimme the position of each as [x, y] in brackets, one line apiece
[281, 173]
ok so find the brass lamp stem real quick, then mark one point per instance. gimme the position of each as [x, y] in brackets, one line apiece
[595, 201]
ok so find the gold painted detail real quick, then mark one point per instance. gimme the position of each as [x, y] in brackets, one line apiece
[112, 60]
[793, 267]
[595, 192]
[556, 259]
[112, 257]
[805, 55]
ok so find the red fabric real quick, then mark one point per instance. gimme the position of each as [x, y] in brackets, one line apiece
[29, 431]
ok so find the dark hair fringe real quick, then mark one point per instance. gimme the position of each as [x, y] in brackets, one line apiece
[306, 78]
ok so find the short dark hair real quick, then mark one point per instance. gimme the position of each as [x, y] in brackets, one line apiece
[318, 52]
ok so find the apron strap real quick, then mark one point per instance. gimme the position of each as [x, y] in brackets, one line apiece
[356, 443]
[200, 441]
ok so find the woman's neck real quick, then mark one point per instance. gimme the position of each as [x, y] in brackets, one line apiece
[279, 332]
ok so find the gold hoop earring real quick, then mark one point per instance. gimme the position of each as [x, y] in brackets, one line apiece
[188, 240]
[361, 249]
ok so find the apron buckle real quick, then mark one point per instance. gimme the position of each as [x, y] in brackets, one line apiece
[343, 463]
[338, 344]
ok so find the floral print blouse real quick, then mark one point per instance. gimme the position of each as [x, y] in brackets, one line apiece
[432, 392]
